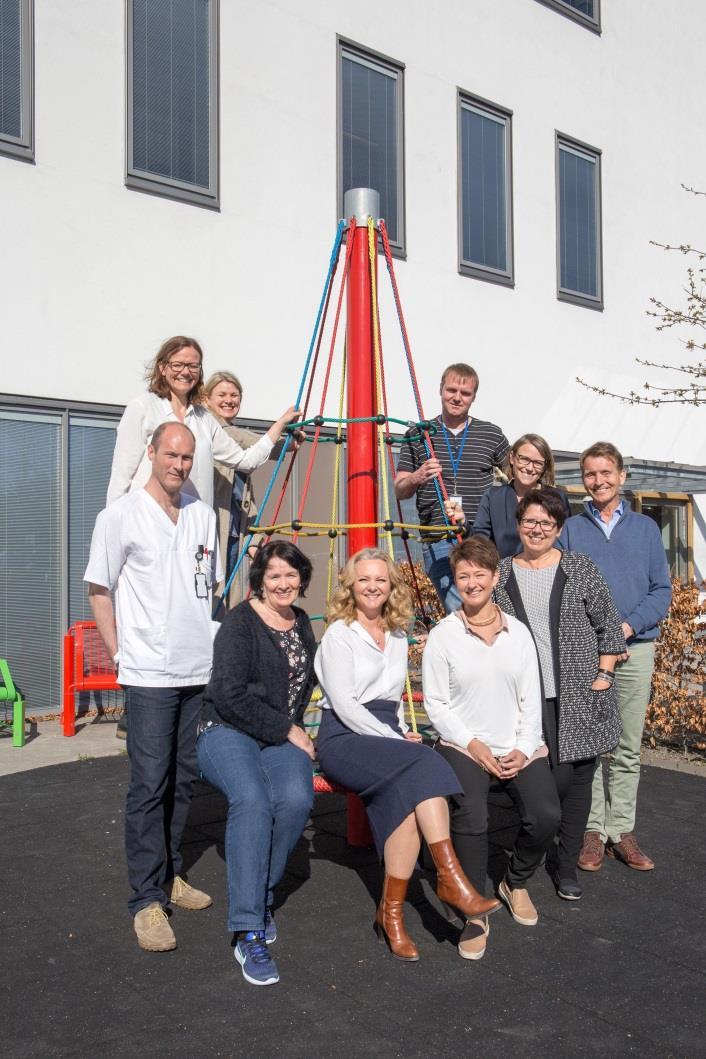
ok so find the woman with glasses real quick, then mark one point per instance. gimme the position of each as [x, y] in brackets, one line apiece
[529, 466]
[563, 600]
[174, 388]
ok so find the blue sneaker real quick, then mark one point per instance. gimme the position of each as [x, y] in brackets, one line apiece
[270, 927]
[258, 966]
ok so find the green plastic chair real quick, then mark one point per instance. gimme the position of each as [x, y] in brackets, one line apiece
[10, 694]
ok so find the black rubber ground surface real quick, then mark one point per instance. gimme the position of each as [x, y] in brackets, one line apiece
[620, 973]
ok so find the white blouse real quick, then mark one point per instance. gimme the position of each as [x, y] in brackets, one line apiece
[132, 467]
[473, 690]
[352, 670]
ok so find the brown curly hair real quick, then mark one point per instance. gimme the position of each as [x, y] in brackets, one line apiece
[154, 375]
[397, 611]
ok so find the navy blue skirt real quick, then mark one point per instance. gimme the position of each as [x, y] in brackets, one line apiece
[392, 776]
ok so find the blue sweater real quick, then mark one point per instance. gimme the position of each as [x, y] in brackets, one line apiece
[633, 563]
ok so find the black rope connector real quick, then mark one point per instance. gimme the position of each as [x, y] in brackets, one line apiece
[333, 533]
[339, 439]
[389, 440]
[404, 534]
[296, 525]
[388, 525]
[318, 421]
[380, 419]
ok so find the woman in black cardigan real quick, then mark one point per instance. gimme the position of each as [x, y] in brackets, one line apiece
[564, 601]
[530, 466]
[252, 745]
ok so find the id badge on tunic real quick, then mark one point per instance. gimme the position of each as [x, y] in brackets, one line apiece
[457, 500]
[201, 586]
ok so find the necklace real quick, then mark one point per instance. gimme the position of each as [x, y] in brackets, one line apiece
[377, 633]
[487, 621]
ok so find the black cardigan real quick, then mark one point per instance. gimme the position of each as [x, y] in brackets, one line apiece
[584, 624]
[250, 677]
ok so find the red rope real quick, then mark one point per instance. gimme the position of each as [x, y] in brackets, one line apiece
[327, 377]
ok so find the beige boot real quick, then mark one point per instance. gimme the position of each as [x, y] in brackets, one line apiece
[185, 896]
[153, 930]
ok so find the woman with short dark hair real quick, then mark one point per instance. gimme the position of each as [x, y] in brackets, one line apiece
[252, 745]
[563, 600]
[482, 694]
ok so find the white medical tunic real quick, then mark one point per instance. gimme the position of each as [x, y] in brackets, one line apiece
[164, 627]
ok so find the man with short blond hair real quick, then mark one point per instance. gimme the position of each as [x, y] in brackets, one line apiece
[627, 549]
[466, 451]
[156, 548]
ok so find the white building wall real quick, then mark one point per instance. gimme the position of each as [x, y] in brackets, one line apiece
[94, 276]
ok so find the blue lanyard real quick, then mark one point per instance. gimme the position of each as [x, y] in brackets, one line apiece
[455, 464]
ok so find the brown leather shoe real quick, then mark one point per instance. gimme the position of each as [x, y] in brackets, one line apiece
[389, 920]
[452, 886]
[629, 852]
[592, 852]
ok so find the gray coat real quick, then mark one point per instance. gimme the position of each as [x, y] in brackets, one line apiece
[584, 624]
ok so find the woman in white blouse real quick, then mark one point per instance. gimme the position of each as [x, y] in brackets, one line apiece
[365, 746]
[482, 694]
[174, 383]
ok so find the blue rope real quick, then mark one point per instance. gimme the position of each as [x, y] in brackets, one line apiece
[333, 262]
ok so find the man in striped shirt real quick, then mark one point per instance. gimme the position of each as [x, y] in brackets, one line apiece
[465, 452]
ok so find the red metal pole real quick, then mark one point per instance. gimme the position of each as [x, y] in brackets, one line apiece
[361, 449]
[362, 467]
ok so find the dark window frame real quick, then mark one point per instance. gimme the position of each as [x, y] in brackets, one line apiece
[387, 65]
[22, 147]
[566, 9]
[562, 140]
[169, 187]
[501, 114]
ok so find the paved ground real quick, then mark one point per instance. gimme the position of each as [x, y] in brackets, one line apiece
[621, 973]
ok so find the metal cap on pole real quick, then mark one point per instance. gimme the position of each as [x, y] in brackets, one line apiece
[362, 203]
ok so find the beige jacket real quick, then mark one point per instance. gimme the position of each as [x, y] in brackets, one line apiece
[222, 492]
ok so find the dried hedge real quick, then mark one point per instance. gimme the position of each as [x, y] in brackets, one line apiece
[677, 710]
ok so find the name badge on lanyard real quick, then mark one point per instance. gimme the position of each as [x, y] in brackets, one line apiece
[455, 463]
[200, 581]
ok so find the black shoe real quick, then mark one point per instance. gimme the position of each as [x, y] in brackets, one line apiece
[566, 888]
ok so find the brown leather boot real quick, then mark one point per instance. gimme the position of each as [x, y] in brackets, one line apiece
[389, 921]
[452, 886]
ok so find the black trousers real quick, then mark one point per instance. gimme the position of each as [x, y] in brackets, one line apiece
[574, 781]
[534, 793]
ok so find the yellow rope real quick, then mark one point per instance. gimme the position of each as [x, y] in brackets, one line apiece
[336, 476]
[382, 458]
[281, 527]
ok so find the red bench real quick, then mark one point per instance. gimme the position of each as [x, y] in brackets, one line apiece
[87, 667]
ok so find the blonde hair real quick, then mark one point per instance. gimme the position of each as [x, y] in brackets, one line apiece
[542, 447]
[221, 376]
[154, 376]
[397, 611]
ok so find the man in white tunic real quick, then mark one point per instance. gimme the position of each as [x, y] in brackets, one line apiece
[156, 548]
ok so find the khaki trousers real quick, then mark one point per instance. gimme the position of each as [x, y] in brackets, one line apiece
[613, 811]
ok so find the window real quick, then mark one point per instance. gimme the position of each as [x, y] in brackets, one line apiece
[172, 98]
[578, 222]
[370, 133]
[672, 518]
[16, 79]
[586, 12]
[484, 190]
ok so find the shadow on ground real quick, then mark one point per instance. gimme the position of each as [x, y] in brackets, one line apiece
[620, 973]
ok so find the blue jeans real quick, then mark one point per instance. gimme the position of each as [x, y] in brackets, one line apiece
[270, 794]
[437, 566]
[161, 746]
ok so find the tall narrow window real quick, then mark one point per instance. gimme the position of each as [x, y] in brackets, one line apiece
[370, 135]
[579, 223]
[16, 76]
[484, 190]
[172, 113]
[586, 12]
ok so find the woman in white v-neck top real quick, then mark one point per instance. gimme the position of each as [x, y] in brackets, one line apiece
[174, 385]
[364, 745]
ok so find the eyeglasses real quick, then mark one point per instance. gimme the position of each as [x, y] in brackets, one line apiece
[525, 461]
[178, 366]
[544, 524]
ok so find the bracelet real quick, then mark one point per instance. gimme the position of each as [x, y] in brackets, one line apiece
[606, 674]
